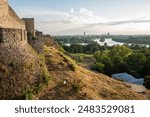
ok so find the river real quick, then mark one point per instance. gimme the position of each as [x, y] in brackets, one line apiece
[109, 42]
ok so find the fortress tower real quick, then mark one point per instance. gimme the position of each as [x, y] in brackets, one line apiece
[30, 28]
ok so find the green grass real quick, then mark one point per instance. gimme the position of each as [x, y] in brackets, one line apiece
[28, 94]
[71, 62]
[42, 57]
[83, 55]
[45, 76]
[77, 85]
[80, 57]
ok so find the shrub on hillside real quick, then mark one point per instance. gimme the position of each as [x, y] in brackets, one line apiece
[98, 66]
[45, 76]
[147, 82]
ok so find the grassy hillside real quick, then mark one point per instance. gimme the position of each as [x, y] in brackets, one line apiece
[21, 71]
[70, 81]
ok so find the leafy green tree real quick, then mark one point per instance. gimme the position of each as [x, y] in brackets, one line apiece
[147, 82]
[92, 47]
[146, 70]
[121, 51]
[98, 66]
[136, 62]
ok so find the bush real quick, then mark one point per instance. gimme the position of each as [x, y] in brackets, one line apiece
[98, 66]
[147, 82]
[77, 85]
[28, 94]
[38, 88]
[45, 76]
[41, 57]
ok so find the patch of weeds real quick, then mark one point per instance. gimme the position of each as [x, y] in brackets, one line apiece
[70, 62]
[72, 66]
[60, 48]
[45, 76]
[77, 85]
[38, 88]
[41, 57]
[29, 66]
[28, 94]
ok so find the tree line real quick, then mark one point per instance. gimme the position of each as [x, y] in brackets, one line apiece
[134, 59]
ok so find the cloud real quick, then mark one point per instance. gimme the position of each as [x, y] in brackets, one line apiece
[141, 20]
[83, 16]
[78, 21]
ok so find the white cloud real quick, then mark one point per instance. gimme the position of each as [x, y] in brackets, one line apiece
[83, 16]
[78, 21]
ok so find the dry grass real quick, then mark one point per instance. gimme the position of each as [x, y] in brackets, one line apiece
[81, 83]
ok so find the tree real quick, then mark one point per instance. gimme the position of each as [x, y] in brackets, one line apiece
[98, 66]
[136, 62]
[92, 47]
[121, 51]
[146, 70]
[147, 82]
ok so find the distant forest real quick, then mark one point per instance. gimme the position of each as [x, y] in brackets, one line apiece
[133, 39]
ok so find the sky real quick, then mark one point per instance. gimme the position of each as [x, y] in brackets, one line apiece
[73, 17]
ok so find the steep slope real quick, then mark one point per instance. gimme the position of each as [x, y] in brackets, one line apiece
[21, 70]
[71, 81]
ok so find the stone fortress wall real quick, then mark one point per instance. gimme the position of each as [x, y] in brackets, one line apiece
[3, 8]
[12, 28]
[8, 35]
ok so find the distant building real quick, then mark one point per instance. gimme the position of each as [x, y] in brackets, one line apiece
[84, 33]
[108, 34]
[128, 78]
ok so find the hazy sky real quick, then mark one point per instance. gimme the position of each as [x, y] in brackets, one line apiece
[90, 16]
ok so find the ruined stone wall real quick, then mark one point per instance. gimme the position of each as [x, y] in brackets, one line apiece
[8, 35]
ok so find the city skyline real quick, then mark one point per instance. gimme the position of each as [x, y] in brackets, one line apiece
[70, 17]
